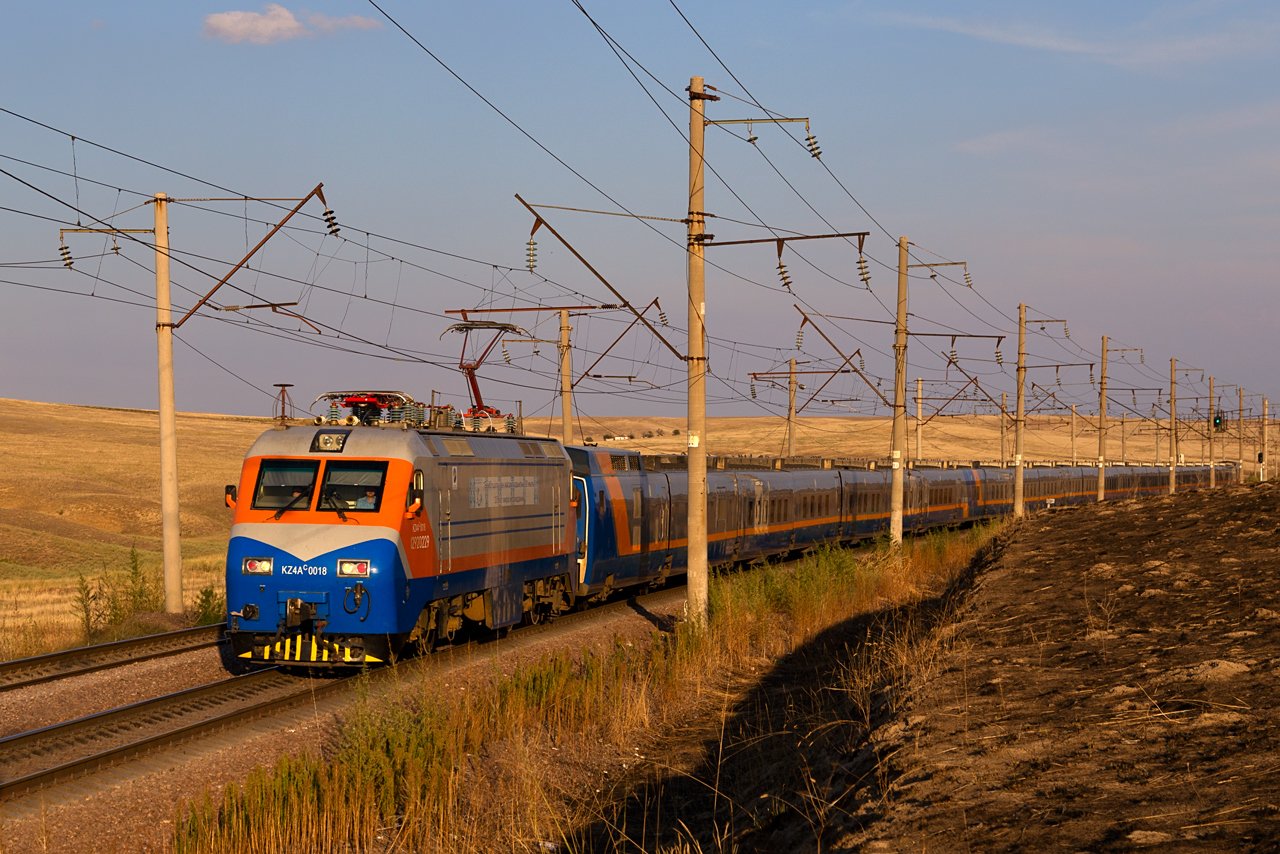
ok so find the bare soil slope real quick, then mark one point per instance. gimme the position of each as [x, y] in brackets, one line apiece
[1113, 685]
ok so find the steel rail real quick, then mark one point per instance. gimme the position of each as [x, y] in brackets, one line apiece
[86, 659]
[108, 725]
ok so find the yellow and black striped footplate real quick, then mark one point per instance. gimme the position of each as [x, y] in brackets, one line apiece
[307, 649]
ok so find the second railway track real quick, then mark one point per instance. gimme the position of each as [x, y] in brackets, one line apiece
[52, 754]
[73, 662]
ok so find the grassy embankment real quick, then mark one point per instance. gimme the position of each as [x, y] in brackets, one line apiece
[501, 766]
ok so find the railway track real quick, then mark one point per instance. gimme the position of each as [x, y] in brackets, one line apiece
[52, 755]
[86, 659]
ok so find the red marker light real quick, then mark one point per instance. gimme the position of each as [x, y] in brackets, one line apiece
[351, 567]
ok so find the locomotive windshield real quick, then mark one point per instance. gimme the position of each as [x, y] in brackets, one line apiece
[352, 485]
[285, 483]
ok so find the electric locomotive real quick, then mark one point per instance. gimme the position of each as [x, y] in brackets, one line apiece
[351, 541]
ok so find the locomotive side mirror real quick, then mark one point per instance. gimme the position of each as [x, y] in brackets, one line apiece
[229, 496]
[416, 491]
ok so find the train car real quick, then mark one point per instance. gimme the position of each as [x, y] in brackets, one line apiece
[350, 542]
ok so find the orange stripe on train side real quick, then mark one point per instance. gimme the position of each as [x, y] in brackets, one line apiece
[503, 556]
[621, 518]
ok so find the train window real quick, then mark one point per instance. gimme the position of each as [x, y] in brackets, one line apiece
[351, 485]
[285, 484]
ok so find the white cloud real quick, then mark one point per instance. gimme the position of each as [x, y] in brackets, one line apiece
[275, 23]
[1010, 34]
[1147, 49]
[325, 24]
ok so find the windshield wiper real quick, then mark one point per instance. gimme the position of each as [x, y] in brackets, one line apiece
[292, 502]
[332, 497]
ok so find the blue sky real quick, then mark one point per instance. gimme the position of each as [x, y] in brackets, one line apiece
[1113, 165]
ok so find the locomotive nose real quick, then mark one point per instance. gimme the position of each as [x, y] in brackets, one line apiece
[297, 612]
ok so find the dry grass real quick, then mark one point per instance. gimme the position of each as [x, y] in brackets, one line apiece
[80, 491]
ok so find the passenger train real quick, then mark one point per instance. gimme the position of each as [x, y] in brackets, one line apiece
[351, 542]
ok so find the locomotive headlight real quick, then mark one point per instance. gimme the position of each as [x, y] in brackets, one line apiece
[256, 566]
[353, 568]
[329, 441]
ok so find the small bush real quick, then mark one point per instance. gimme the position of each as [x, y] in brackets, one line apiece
[86, 605]
[109, 606]
[210, 608]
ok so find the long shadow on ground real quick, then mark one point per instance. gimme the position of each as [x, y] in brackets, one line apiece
[792, 763]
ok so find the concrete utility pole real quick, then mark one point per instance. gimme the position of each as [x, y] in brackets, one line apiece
[1074, 458]
[791, 408]
[1019, 502]
[698, 582]
[566, 379]
[1213, 475]
[1173, 426]
[1240, 427]
[1155, 420]
[1004, 428]
[919, 415]
[1266, 459]
[1124, 440]
[1102, 427]
[170, 530]
[899, 439]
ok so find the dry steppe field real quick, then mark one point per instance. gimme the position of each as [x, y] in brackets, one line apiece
[81, 487]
